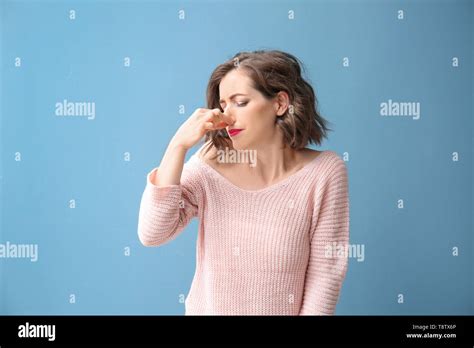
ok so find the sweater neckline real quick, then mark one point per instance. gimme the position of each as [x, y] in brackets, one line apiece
[272, 187]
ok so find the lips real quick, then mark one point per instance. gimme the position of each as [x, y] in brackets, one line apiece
[233, 132]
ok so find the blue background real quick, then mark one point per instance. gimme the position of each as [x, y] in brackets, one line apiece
[81, 251]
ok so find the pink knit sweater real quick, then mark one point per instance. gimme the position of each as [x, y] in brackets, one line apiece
[274, 251]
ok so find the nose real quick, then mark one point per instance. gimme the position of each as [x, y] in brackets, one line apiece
[227, 113]
[224, 110]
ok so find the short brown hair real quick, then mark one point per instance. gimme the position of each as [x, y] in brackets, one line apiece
[272, 71]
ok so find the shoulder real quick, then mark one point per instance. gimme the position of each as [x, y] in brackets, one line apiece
[330, 178]
[334, 169]
[328, 160]
[328, 167]
[334, 161]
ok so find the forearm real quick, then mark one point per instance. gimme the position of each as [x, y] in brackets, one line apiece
[171, 166]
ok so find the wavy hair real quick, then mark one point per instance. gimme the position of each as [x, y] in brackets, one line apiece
[272, 71]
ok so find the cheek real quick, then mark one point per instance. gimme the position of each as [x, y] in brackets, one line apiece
[266, 116]
[257, 115]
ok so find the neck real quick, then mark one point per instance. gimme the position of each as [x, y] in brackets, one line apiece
[274, 161]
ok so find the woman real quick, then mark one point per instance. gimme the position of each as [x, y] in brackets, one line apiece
[271, 229]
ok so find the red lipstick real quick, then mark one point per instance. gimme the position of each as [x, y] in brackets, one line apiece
[234, 132]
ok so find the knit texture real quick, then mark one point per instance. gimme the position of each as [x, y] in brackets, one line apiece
[281, 250]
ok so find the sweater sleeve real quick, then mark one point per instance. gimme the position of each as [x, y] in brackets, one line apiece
[327, 266]
[166, 210]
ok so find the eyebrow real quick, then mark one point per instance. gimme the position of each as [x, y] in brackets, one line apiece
[232, 96]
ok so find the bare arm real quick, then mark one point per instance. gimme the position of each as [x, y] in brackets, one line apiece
[201, 121]
[172, 196]
[171, 166]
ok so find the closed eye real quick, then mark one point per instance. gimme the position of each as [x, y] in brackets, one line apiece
[241, 104]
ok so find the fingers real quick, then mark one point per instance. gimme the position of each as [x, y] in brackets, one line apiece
[208, 126]
[214, 125]
[216, 119]
[228, 119]
[223, 120]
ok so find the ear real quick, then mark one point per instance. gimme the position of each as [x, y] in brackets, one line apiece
[282, 101]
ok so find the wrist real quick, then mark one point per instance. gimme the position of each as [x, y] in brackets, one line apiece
[176, 145]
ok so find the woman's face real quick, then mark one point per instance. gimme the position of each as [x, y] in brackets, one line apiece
[252, 113]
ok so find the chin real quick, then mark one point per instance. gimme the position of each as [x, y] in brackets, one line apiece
[240, 144]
